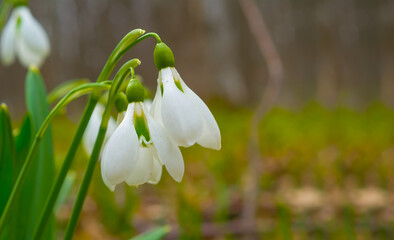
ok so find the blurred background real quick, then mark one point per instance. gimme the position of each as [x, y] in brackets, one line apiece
[314, 161]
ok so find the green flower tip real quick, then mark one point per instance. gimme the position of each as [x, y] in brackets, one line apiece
[34, 69]
[3, 107]
[163, 56]
[135, 91]
[137, 62]
[121, 102]
[141, 31]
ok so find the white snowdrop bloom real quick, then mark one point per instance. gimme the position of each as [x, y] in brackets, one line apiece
[183, 114]
[24, 37]
[137, 150]
[93, 127]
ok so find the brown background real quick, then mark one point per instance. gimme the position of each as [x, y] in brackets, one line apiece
[335, 51]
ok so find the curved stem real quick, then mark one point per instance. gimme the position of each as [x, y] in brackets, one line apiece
[130, 40]
[73, 94]
[119, 78]
[26, 166]
[124, 45]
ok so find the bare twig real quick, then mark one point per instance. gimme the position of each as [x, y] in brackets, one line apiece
[268, 99]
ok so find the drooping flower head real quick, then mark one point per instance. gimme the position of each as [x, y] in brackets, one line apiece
[24, 37]
[182, 113]
[139, 147]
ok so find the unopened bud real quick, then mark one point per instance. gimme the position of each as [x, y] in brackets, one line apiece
[163, 56]
[121, 102]
[135, 91]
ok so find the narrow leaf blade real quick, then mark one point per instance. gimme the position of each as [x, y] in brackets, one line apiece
[22, 142]
[42, 174]
[7, 168]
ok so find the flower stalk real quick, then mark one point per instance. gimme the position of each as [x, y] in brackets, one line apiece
[119, 78]
[132, 39]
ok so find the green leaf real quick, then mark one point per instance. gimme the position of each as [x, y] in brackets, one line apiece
[22, 142]
[40, 177]
[7, 168]
[154, 234]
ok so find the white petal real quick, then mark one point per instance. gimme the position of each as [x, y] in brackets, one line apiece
[142, 170]
[33, 33]
[180, 116]
[26, 55]
[167, 151]
[148, 103]
[8, 42]
[120, 153]
[110, 128]
[32, 41]
[156, 172]
[210, 137]
[93, 127]
[155, 108]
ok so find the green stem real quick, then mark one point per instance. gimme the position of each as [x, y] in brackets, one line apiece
[124, 45]
[43, 220]
[86, 88]
[138, 40]
[118, 80]
[115, 56]
[85, 184]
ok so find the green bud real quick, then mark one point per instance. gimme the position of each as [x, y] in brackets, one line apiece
[163, 56]
[135, 91]
[121, 102]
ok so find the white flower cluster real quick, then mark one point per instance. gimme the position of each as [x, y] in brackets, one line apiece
[146, 139]
[25, 38]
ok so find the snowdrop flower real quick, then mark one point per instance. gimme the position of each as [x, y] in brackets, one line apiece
[93, 127]
[24, 37]
[139, 147]
[183, 114]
